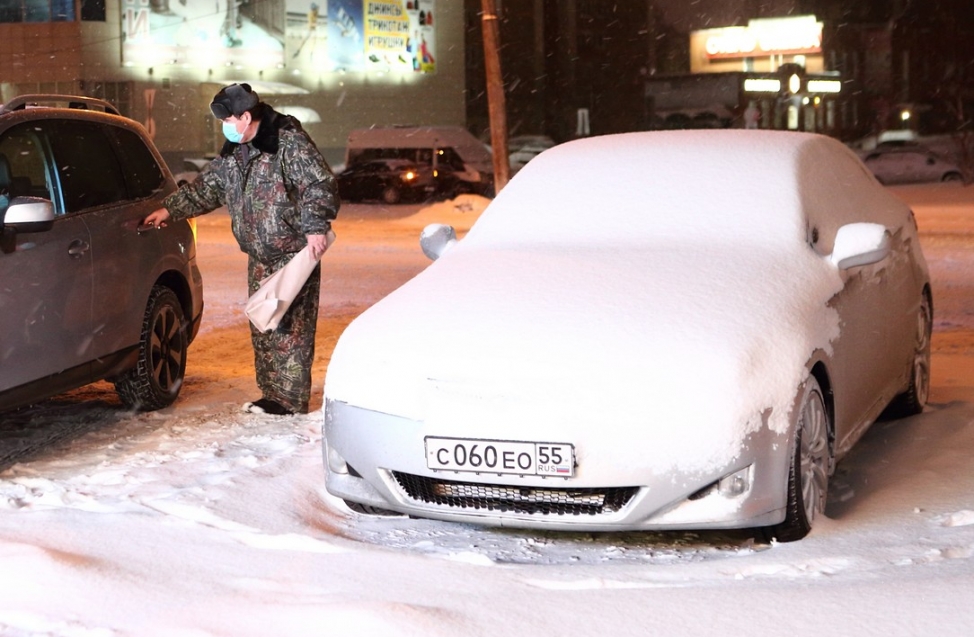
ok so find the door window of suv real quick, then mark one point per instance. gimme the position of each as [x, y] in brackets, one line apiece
[143, 175]
[87, 168]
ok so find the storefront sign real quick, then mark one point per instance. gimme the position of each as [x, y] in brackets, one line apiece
[763, 38]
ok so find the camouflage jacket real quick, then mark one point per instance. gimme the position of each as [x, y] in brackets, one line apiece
[277, 188]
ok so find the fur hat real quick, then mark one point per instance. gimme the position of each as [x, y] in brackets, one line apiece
[235, 100]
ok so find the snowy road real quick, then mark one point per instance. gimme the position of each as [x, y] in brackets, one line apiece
[202, 521]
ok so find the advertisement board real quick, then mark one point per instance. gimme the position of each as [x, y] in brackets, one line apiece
[321, 35]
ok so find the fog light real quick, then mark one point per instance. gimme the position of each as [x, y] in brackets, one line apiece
[735, 484]
[336, 464]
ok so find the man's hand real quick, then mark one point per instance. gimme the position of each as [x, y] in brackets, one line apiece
[319, 243]
[156, 218]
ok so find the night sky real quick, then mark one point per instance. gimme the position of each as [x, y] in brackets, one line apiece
[688, 15]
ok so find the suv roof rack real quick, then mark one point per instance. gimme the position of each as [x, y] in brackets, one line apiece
[22, 102]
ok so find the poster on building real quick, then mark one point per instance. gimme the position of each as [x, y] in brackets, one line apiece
[313, 35]
[383, 35]
[202, 32]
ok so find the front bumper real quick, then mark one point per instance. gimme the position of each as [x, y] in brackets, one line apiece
[379, 460]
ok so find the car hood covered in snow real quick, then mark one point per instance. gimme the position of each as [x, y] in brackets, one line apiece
[550, 345]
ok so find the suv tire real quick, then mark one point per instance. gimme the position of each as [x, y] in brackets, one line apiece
[155, 381]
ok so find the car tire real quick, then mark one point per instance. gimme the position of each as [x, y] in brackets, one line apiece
[811, 463]
[366, 509]
[156, 379]
[953, 177]
[912, 401]
[391, 195]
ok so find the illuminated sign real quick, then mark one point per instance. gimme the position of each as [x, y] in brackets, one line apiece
[801, 35]
[761, 85]
[824, 86]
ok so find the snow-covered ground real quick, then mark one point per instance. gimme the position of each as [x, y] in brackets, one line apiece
[203, 521]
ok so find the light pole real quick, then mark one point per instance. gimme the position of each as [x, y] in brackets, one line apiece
[496, 105]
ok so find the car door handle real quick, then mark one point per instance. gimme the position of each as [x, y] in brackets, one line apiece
[78, 248]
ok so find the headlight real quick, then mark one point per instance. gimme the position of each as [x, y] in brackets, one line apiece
[409, 176]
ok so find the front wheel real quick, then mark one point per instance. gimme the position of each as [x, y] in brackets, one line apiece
[156, 379]
[391, 195]
[808, 477]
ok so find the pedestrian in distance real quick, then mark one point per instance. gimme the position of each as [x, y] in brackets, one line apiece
[281, 196]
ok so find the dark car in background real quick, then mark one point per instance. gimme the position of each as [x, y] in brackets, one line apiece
[387, 180]
[87, 293]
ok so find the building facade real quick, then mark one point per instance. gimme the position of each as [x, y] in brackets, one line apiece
[337, 66]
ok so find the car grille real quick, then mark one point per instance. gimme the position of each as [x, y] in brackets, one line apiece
[505, 498]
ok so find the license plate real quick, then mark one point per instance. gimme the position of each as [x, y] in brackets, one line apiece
[500, 456]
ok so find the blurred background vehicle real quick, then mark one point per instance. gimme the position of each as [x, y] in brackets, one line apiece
[910, 163]
[387, 180]
[192, 167]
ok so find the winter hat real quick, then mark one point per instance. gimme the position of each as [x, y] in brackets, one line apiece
[235, 100]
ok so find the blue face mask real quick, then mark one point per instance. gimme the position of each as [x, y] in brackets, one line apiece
[230, 132]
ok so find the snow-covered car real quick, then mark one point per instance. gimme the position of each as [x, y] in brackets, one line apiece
[910, 164]
[87, 293]
[688, 332]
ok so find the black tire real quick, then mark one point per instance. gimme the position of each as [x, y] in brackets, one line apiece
[811, 463]
[155, 381]
[912, 401]
[953, 177]
[391, 195]
[366, 509]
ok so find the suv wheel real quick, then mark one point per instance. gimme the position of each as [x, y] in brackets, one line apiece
[155, 381]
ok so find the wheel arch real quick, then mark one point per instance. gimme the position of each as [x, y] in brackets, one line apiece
[821, 374]
[175, 281]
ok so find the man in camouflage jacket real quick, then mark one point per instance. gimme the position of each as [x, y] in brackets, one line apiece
[281, 196]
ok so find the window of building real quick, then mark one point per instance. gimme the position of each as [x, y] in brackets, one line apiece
[37, 11]
[93, 10]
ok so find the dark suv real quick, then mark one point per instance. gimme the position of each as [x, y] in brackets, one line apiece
[85, 293]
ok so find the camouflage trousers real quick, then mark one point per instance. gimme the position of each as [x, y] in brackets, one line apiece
[283, 356]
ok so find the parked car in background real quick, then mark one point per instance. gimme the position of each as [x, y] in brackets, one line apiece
[619, 353]
[192, 167]
[387, 180]
[87, 294]
[910, 163]
[460, 163]
[523, 148]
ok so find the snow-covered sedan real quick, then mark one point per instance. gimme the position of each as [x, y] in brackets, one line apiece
[665, 330]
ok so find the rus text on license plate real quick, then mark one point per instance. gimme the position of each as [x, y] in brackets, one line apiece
[500, 456]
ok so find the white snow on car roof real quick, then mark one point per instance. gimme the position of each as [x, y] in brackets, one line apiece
[728, 185]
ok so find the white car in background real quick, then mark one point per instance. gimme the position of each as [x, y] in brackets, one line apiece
[687, 332]
[910, 164]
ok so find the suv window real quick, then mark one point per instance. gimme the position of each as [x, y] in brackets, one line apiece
[87, 167]
[23, 150]
[144, 176]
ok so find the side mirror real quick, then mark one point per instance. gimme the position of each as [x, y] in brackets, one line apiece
[29, 214]
[436, 239]
[859, 244]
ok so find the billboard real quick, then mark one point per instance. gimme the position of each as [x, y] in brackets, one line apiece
[322, 35]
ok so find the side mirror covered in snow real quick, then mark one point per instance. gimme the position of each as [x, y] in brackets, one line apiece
[859, 244]
[436, 239]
